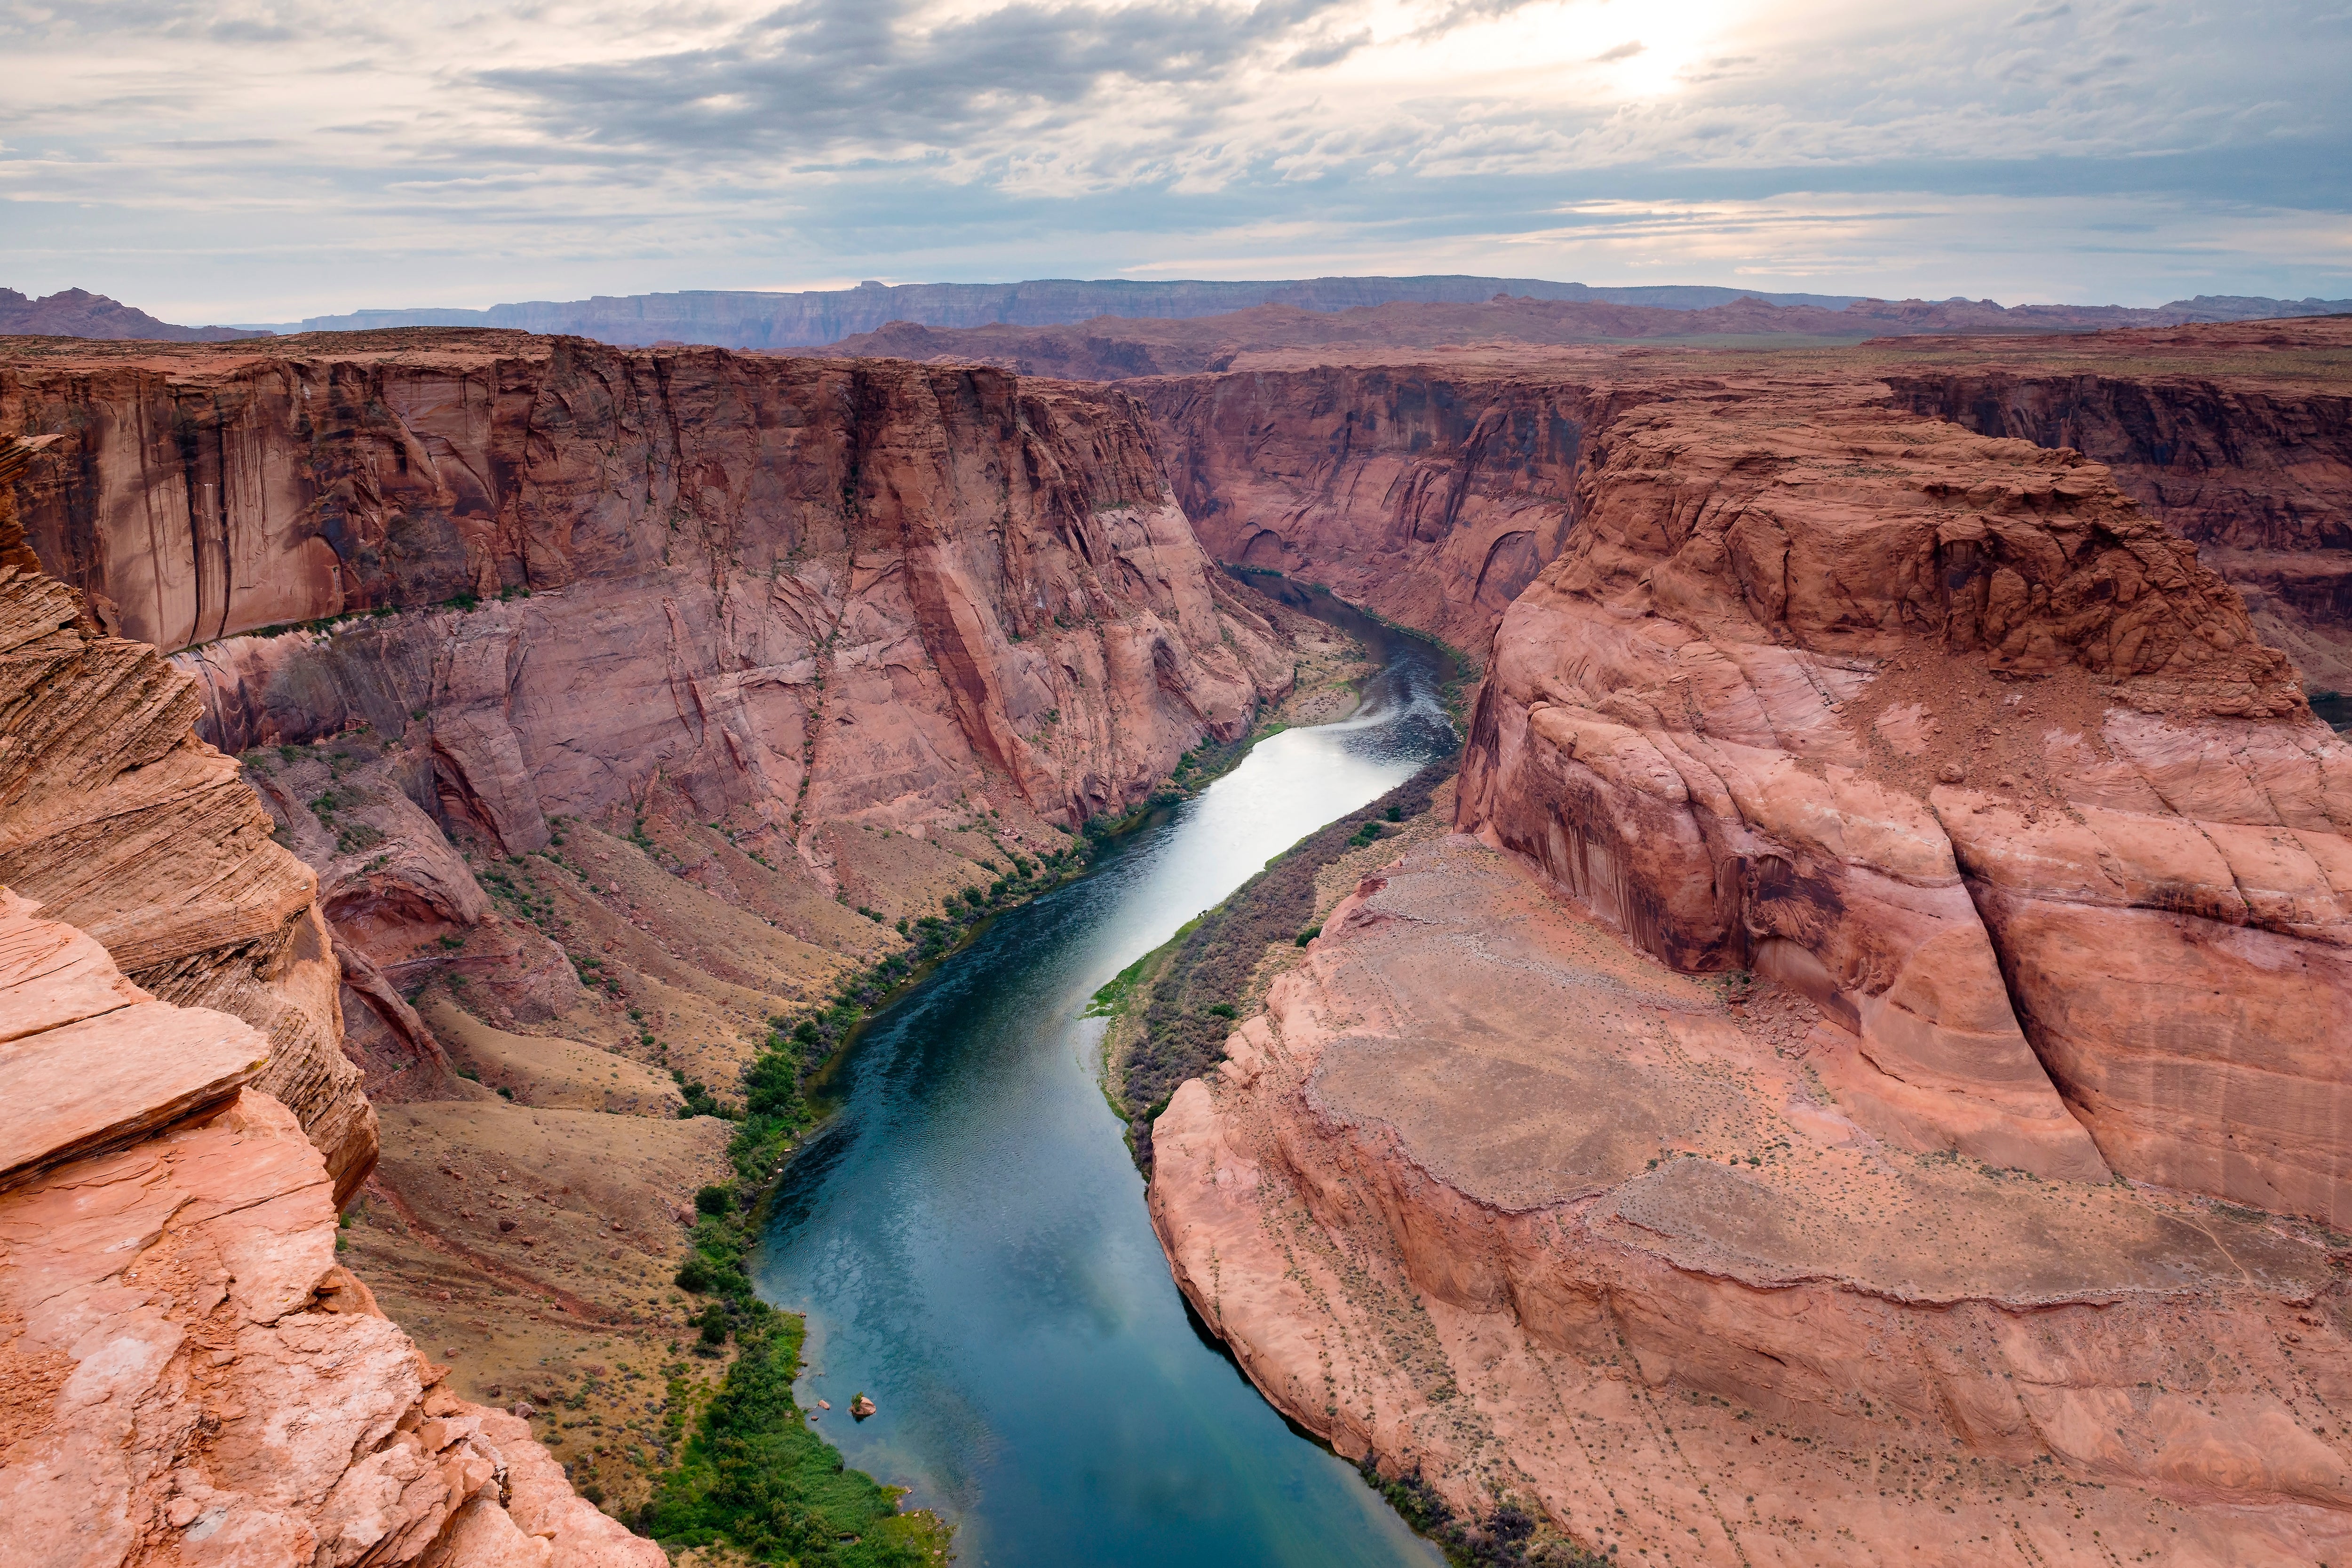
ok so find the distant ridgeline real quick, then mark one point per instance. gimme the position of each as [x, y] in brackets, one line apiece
[744, 319]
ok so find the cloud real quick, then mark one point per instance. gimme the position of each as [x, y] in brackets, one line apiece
[263, 159]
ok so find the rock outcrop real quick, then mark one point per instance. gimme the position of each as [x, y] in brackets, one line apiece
[1490, 1197]
[1946, 732]
[1430, 497]
[2007, 1109]
[189, 1376]
[2239, 439]
[120, 822]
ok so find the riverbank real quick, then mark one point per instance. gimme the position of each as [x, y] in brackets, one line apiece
[970, 1248]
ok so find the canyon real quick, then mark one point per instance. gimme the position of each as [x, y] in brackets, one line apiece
[501, 881]
[1850, 1071]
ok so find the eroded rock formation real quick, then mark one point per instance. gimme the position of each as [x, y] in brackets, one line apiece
[1432, 497]
[794, 590]
[2018, 865]
[1491, 1196]
[2239, 439]
[1948, 733]
[190, 1376]
[120, 821]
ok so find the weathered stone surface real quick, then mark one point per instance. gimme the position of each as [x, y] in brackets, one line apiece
[187, 1374]
[1432, 498]
[117, 820]
[1720, 721]
[2238, 437]
[1491, 1195]
[88, 1061]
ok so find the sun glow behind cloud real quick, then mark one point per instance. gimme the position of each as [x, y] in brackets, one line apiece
[265, 158]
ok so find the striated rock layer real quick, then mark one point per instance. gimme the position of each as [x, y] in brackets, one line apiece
[1985, 1193]
[120, 822]
[1431, 496]
[189, 1376]
[1946, 732]
[2237, 438]
[792, 590]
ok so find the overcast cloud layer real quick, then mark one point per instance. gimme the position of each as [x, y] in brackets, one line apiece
[266, 159]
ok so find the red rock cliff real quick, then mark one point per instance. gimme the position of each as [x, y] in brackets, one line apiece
[1949, 734]
[121, 822]
[795, 590]
[2236, 438]
[1432, 497]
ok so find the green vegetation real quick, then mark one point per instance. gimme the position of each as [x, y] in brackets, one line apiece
[751, 1475]
[1509, 1536]
[1195, 989]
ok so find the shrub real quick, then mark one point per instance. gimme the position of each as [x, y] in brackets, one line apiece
[714, 1199]
[714, 1325]
[693, 1274]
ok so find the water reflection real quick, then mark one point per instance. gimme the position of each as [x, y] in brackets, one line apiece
[969, 1238]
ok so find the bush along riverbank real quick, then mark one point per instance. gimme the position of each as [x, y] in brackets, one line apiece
[752, 1476]
[1190, 992]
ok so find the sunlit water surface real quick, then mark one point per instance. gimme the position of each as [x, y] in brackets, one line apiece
[969, 1239]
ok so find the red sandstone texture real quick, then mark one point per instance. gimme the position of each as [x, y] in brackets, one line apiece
[2237, 438]
[2038, 863]
[1433, 497]
[1947, 732]
[792, 590]
[1489, 1195]
[187, 1374]
[120, 822]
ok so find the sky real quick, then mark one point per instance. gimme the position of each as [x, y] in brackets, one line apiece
[264, 160]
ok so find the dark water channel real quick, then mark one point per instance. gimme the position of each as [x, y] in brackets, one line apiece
[968, 1235]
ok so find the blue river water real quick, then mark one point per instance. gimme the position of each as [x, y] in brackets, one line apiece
[967, 1235]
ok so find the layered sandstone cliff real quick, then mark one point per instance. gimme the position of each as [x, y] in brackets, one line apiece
[795, 591]
[1430, 497]
[1946, 732]
[1491, 1198]
[117, 819]
[2239, 439]
[190, 1376]
[1984, 1195]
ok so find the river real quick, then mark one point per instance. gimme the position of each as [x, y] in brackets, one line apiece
[967, 1235]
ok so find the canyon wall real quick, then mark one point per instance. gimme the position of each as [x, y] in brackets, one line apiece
[794, 590]
[1948, 733]
[2009, 861]
[2259, 474]
[1431, 498]
[120, 821]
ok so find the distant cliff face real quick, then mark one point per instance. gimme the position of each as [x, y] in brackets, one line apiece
[745, 319]
[794, 590]
[2259, 474]
[1430, 497]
